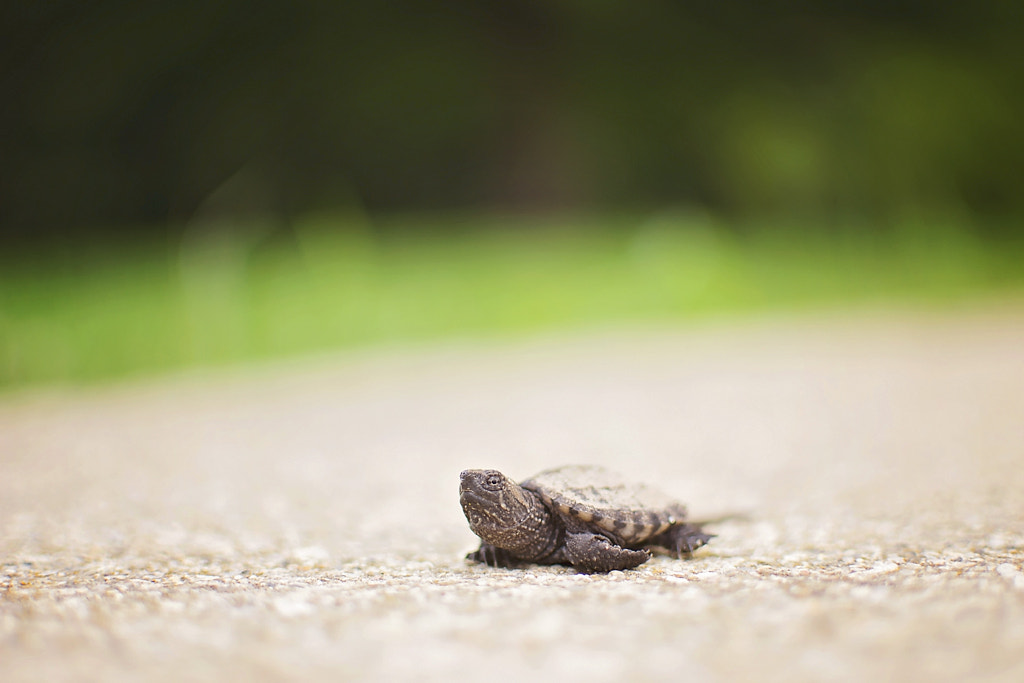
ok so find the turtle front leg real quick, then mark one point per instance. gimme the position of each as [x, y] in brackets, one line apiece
[492, 556]
[595, 553]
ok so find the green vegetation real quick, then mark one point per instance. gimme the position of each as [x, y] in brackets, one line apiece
[147, 113]
[224, 294]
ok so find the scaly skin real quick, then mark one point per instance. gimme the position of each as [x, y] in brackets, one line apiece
[508, 518]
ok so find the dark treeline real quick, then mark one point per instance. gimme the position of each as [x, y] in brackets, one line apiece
[119, 113]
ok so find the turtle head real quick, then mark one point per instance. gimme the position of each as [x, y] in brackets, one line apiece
[495, 506]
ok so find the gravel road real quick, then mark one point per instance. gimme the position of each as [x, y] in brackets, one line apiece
[301, 521]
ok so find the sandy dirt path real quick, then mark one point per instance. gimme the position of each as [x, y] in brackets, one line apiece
[301, 522]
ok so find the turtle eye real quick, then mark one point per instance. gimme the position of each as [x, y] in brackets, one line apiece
[492, 482]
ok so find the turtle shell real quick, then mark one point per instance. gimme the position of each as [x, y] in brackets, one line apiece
[600, 498]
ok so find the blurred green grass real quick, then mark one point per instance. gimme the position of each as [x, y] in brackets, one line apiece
[227, 292]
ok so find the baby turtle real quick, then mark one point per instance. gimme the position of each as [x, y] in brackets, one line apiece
[579, 515]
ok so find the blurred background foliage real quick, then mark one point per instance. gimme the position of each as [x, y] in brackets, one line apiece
[197, 182]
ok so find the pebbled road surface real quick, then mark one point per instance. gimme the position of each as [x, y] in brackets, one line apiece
[301, 522]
